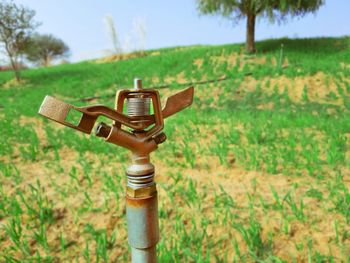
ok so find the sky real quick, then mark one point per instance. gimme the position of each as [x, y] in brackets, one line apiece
[81, 24]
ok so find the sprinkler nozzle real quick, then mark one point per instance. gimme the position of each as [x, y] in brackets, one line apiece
[102, 130]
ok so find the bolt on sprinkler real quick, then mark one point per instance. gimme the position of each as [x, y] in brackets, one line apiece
[145, 135]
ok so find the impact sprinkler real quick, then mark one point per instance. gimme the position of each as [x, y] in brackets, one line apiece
[139, 131]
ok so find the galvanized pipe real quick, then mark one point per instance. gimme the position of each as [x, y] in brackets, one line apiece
[142, 210]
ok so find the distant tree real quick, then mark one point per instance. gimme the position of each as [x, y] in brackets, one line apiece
[16, 24]
[251, 9]
[43, 49]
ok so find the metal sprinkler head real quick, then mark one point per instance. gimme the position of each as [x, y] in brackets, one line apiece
[141, 132]
[146, 128]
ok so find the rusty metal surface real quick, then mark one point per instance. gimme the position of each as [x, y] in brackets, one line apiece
[178, 102]
[141, 192]
[58, 111]
[138, 145]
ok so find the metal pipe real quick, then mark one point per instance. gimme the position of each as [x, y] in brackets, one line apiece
[142, 210]
[143, 229]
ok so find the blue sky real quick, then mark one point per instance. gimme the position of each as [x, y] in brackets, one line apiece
[169, 23]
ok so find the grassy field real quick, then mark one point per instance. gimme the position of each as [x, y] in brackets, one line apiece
[257, 170]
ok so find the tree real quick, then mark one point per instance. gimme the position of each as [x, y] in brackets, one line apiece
[16, 24]
[43, 49]
[251, 9]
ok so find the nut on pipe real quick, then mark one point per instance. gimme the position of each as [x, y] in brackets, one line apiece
[141, 192]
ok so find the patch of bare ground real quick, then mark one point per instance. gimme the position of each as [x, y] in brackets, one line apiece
[285, 63]
[119, 57]
[265, 106]
[241, 60]
[318, 88]
[230, 59]
[290, 233]
[244, 186]
[169, 79]
[25, 121]
[71, 213]
[67, 197]
[14, 83]
[208, 97]
[36, 123]
[198, 62]
[38, 126]
[180, 78]
[155, 80]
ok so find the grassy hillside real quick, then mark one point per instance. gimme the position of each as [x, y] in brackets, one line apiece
[258, 169]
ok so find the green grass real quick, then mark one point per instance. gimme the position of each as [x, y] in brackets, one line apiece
[260, 158]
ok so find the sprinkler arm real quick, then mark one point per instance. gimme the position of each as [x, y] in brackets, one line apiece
[57, 110]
